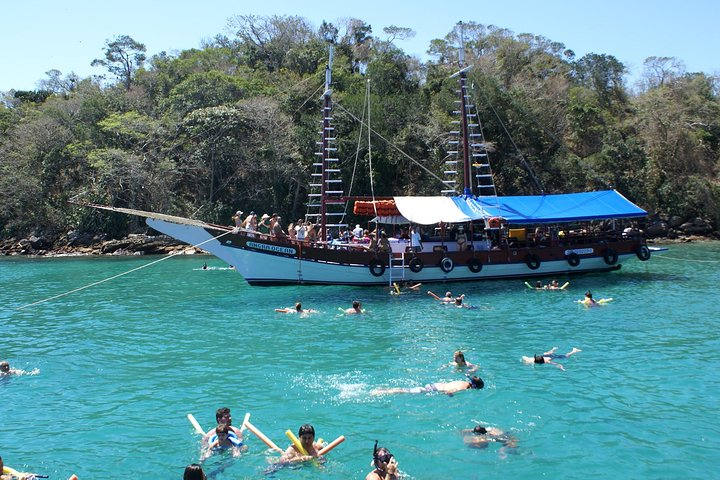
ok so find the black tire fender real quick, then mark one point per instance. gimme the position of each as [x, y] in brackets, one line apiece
[610, 256]
[447, 265]
[573, 259]
[475, 265]
[377, 268]
[416, 265]
[532, 261]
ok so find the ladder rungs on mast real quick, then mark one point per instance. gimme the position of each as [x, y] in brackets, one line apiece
[449, 172]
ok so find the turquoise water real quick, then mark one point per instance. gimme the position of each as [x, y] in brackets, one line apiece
[122, 364]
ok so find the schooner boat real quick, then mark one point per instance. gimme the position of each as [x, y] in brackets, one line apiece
[504, 236]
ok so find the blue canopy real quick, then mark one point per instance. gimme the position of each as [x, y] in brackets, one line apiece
[532, 209]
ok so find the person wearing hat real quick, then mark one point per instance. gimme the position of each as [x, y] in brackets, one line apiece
[238, 218]
[264, 225]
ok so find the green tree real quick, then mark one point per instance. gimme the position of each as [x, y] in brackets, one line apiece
[123, 56]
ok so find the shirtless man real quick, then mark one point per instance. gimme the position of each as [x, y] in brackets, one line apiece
[448, 388]
[448, 298]
[356, 308]
[222, 416]
[297, 309]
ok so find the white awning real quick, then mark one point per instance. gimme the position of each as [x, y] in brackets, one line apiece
[431, 210]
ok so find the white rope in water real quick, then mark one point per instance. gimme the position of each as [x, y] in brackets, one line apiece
[118, 275]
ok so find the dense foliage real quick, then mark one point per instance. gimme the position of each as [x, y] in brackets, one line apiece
[234, 125]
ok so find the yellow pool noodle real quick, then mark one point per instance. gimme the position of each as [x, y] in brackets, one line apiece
[295, 442]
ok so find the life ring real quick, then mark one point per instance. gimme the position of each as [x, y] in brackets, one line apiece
[474, 265]
[643, 253]
[573, 259]
[231, 437]
[416, 265]
[610, 256]
[447, 265]
[494, 222]
[533, 261]
[377, 268]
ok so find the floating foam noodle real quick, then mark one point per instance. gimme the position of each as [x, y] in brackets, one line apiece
[295, 442]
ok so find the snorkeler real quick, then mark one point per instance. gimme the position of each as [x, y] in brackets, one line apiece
[386, 467]
[549, 356]
[448, 388]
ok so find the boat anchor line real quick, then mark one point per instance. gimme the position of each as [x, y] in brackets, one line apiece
[119, 274]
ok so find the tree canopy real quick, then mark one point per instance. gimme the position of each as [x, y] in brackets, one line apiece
[234, 124]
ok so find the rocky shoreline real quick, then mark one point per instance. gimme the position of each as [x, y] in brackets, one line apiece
[658, 230]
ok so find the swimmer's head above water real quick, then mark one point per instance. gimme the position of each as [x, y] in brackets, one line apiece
[539, 359]
[476, 382]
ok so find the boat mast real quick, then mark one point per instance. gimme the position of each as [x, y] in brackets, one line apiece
[464, 116]
[327, 128]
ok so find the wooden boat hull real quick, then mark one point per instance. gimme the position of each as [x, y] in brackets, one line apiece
[263, 260]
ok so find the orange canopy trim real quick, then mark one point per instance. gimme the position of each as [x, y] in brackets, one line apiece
[385, 208]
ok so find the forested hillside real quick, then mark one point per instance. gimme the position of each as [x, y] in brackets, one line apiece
[233, 125]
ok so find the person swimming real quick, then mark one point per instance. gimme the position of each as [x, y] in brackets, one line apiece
[448, 388]
[549, 356]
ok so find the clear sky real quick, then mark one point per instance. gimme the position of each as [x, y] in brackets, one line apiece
[40, 35]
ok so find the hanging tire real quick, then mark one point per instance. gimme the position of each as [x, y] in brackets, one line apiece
[573, 259]
[475, 265]
[447, 265]
[377, 268]
[643, 253]
[415, 265]
[533, 261]
[610, 256]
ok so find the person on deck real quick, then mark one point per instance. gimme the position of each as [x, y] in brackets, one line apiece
[384, 245]
[277, 230]
[264, 224]
[237, 218]
[416, 241]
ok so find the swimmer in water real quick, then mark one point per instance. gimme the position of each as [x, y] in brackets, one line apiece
[448, 298]
[306, 435]
[386, 467]
[481, 437]
[297, 309]
[460, 363]
[356, 308]
[448, 388]
[548, 357]
[224, 439]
